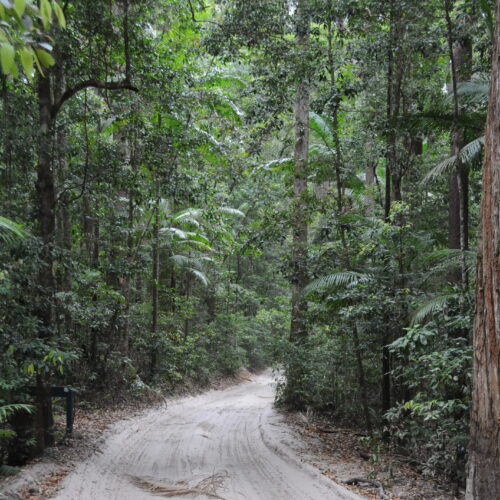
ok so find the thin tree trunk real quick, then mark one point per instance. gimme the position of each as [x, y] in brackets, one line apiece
[155, 277]
[340, 208]
[391, 142]
[483, 477]
[361, 378]
[187, 294]
[47, 224]
[386, 375]
[335, 132]
[460, 53]
[298, 329]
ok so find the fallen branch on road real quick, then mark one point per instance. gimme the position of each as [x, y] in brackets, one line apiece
[205, 487]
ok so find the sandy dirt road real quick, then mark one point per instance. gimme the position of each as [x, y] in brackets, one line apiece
[229, 445]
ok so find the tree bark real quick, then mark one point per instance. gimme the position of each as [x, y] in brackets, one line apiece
[483, 478]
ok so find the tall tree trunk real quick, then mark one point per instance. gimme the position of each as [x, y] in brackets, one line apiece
[298, 329]
[483, 477]
[391, 137]
[460, 53]
[361, 378]
[155, 278]
[62, 211]
[340, 207]
[46, 200]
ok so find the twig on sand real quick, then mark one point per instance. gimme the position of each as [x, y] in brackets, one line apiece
[358, 480]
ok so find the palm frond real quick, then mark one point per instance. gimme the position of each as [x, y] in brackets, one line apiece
[200, 276]
[449, 253]
[468, 155]
[231, 211]
[440, 119]
[184, 261]
[174, 231]
[208, 136]
[187, 221]
[198, 237]
[198, 244]
[320, 150]
[432, 306]
[180, 260]
[444, 261]
[10, 232]
[321, 128]
[281, 164]
[472, 152]
[445, 166]
[188, 213]
[339, 279]
[474, 92]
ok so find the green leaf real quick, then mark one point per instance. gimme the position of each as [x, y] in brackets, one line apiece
[7, 54]
[27, 60]
[46, 12]
[45, 58]
[59, 14]
[19, 7]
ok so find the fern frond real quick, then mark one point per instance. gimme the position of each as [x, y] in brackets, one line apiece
[7, 410]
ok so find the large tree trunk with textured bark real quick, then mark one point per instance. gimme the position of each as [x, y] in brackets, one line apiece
[483, 478]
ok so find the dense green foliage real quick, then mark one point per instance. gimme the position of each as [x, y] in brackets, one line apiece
[170, 148]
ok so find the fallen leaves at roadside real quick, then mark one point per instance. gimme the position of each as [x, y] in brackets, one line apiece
[46, 488]
[341, 455]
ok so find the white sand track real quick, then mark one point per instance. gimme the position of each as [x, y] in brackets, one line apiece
[229, 444]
